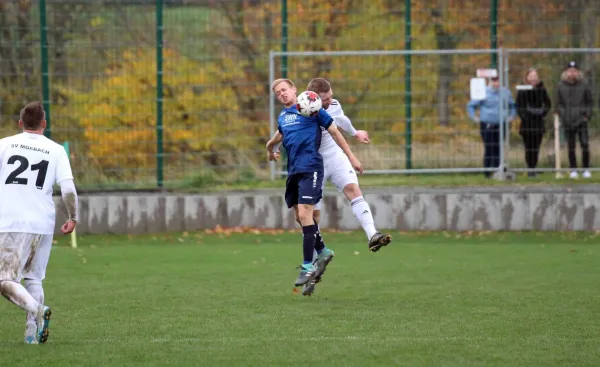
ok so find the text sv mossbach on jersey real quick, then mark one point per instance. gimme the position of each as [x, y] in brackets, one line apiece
[22, 146]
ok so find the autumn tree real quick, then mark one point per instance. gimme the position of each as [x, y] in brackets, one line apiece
[118, 116]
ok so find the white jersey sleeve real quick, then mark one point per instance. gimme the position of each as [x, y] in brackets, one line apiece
[63, 167]
[341, 120]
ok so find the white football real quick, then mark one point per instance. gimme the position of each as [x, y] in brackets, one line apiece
[309, 103]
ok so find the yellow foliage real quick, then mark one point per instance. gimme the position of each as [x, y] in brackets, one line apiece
[118, 112]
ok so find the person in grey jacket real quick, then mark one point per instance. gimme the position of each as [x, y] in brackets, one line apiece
[574, 104]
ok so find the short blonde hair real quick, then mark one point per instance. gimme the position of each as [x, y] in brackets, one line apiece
[279, 81]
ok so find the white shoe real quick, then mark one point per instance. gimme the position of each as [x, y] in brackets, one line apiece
[574, 174]
[587, 174]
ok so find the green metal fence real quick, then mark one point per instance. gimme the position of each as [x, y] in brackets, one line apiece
[161, 93]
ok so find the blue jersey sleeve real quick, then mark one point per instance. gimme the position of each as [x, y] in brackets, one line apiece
[324, 119]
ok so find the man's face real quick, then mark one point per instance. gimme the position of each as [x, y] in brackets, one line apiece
[495, 83]
[285, 93]
[572, 73]
[326, 98]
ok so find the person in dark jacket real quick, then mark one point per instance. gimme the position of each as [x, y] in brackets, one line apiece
[532, 107]
[574, 105]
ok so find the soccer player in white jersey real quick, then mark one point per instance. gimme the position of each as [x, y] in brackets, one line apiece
[30, 164]
[339, 170]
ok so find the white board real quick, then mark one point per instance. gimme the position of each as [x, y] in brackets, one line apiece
[478, 88]
[524, 87]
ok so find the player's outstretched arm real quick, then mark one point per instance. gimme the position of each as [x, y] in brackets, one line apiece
[339, 139]
[69, 195]
[345, 124]
[272, 145]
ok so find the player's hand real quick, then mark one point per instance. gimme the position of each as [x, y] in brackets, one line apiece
[362, 136]
[356, 165]
[68, 227]
[273, 156]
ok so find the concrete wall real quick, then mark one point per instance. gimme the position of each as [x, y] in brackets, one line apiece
[551, 208]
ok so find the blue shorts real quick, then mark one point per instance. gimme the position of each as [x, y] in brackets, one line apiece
[304, 188]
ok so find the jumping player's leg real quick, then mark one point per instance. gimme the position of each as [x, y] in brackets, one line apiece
[34, 273]
[303, 191]
[319, 244]
[345, 179]
[16, 249]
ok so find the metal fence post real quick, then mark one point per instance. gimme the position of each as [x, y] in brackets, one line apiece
[494, 31]
[502, 119]
[159, 94]
[284, 38]
[506, 65]
[271, 108]
[407, 82]
[45, 76]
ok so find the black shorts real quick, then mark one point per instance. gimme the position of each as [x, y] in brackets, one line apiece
[304, 188]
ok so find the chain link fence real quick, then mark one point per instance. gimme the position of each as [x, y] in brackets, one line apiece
[175, 93]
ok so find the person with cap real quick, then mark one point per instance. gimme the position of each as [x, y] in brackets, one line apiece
[489, 121]
[574, 105]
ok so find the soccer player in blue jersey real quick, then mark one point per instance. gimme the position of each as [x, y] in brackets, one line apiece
[301, 138]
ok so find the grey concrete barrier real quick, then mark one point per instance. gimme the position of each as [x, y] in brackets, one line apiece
[510, 208]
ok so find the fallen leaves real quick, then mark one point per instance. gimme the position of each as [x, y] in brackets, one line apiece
[228, 231]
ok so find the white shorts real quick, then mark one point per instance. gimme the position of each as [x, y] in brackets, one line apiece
[338, 169]
[24, 255]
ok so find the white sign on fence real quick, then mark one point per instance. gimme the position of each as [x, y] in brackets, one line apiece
[487, 73]
[478, 89]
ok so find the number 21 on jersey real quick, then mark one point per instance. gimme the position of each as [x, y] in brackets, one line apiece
[23, 165]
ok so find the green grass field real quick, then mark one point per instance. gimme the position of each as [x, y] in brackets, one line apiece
[444, 299]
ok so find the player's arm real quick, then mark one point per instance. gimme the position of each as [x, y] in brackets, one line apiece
[345, 124]
[69, 196]
[272, 146]
[64, 177]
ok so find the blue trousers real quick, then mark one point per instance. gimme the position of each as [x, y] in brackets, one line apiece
[490, 135]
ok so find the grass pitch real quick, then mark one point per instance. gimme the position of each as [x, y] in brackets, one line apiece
[445, 299]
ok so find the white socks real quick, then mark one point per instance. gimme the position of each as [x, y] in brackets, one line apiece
[362, 212]
[34, 287]
[18, 295]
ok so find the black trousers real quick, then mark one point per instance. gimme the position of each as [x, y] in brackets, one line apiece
[532, 140]
[490, 135]
[571, 133]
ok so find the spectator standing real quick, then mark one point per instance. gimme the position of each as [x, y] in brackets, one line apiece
[489, 121]
[574, 105]
[532, 107]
